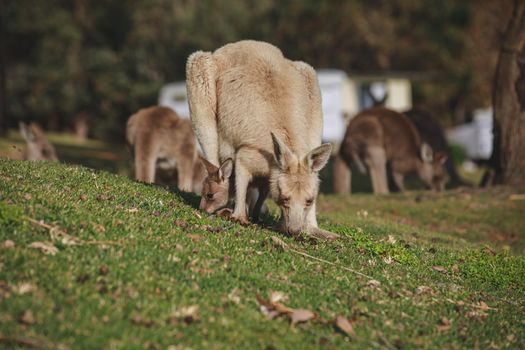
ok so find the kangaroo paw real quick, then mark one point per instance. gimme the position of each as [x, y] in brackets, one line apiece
[225, 213]
[243, 220]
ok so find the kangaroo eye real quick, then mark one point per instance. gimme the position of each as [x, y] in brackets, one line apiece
[209, 196]
[309, 202]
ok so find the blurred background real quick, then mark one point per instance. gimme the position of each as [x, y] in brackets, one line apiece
[80, 68]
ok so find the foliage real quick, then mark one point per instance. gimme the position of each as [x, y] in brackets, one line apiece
[69, 60]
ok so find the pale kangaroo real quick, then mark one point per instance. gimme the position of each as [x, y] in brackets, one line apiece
[37, 145]
[251, 104]
[159, 138]
[378, 135]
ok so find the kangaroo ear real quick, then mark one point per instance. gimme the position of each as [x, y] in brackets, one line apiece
[26, 132]
[210, 168]
[318, 157]
[281, 152]
[426, 153]
[440, 157]
[226, 169]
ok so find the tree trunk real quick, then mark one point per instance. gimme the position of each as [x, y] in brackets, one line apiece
[3, 72]
[509, 102]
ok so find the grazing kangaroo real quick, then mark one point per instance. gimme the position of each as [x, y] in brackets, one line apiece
[379, 135]
[432, 133]
[249, 103]
[37, 145]
[159, 138]
[218, 190]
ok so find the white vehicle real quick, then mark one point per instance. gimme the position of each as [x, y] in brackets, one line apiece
[475, 137]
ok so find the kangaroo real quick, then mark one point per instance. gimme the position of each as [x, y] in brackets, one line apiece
[239, 93]
[219, 189]
[37, 145]
[159, 138]
[379, 135]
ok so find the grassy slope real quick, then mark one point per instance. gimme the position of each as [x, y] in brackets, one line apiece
[126, 296]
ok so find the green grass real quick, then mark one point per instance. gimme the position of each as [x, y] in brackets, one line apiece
[434, 256]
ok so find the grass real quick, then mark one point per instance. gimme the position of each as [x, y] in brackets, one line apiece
[443, 282]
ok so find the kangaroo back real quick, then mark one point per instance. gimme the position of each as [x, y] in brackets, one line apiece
[157, 137]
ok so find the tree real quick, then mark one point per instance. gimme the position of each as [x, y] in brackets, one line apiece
[509, 102]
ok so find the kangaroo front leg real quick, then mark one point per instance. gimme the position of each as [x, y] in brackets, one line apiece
[313, 230]
[242, 180]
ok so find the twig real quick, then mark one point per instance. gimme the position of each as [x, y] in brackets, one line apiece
[56, 233]
[330, 263]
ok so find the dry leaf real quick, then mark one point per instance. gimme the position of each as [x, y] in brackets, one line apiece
[391, 239]
[344, 325]
[444, 325]
[45, 247]
[99, 228]
[279, 243]
[483, 306]
[28, 196]
[25, 288]
[83, 197]
[301, 315]
[132, 210]
[373, 284]
[424, 290]
[439, 269]
[388, 260]
[194, 237]
[234, 295]
[276, 297]
[27, 317]
[8, 244]
[181, 223]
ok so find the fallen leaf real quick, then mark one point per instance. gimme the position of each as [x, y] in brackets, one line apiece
[276, 297]
[344, 325]
[99, 228]
[373, 284]
[83, 197]
[234, 295]
[483, 306]
[301, 315]
[388, 260]
[45, 247]
[439, 269]
[8, 244]
[194, 237]
[181, 223]
[28, 196]
[279, 243]
[391, 239]
[103, 270]
[27, 317]
[25, 288]
[424, 290]
[443, 325]
[132, 210]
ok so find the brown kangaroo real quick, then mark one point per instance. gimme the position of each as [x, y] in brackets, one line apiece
[379, 135]
[37, 145]
[218, 190]
[159, 138]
